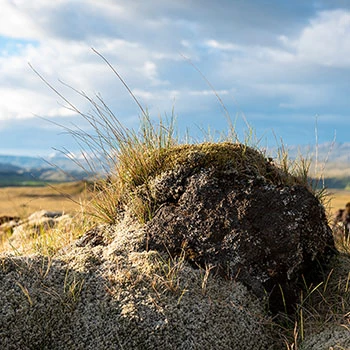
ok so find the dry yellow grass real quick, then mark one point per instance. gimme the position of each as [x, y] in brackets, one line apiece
[22, 201]
[71, 198]
[338, 199]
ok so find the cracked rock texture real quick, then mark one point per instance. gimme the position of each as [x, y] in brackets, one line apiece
[262, 229]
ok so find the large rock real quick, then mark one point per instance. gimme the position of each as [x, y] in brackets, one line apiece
[244, 216]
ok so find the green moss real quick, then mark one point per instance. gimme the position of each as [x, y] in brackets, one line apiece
[245, 161]
[220, 156]
[217, 155]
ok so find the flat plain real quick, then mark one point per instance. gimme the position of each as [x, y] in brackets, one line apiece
[22, 201]
[338, 199]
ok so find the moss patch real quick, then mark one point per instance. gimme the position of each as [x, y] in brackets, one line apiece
[226, 157]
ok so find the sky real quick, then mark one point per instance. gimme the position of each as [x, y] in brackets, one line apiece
[281, 66]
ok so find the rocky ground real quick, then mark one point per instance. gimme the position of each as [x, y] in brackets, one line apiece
[118, 295]
[202, 273]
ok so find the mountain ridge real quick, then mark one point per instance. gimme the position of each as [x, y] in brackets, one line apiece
[28, 171]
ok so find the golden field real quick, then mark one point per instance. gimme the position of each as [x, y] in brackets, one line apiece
[338, 199]
[22, 201]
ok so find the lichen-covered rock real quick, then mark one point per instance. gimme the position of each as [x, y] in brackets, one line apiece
[335, 337]
[245, 217]
[35, 224]
[118, 296]
[329, 308]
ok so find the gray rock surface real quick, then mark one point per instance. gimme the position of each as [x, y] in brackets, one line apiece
[118, 296]
[334, 337]
[330, 328]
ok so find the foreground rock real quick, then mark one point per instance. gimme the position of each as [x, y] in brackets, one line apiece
[242, 216]
[333, 337]
[118, 296]
[330, 329]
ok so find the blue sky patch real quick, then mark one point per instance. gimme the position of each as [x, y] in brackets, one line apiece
[10, 46]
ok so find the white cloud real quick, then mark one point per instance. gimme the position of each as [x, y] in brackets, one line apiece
[297, 95]
[276, 55]
[15, 22]
[23, 103]
[24, 94]
[325, 41]
[224, 46]
[208, 92]
[109, 7]
[302, 71]
[65, 19]
[150, 71]
[144, 43]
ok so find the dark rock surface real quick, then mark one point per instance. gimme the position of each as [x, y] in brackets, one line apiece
[261, 231]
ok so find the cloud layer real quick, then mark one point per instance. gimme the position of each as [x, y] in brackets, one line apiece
[279, 64]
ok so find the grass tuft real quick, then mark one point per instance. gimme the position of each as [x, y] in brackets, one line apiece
[132, 158]
[323, 306]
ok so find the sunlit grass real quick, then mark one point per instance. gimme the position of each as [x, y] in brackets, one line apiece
[43, 239]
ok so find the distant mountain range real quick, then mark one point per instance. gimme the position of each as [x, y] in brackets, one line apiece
[25, 171]
[333, 160]
[26, 162]
[325, 152]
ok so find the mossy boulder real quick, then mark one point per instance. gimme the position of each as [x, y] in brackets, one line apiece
[229, 207]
